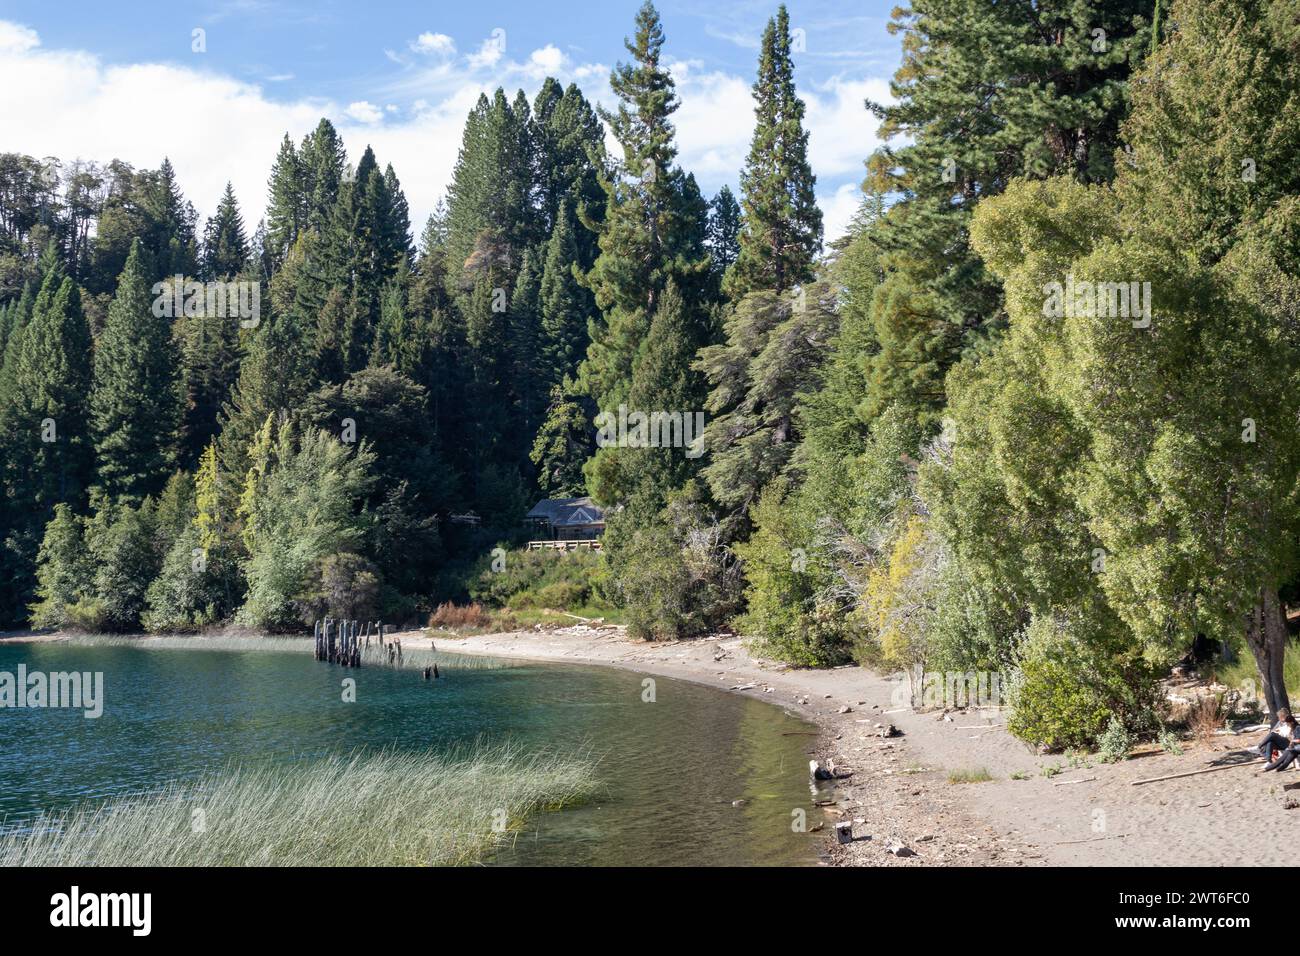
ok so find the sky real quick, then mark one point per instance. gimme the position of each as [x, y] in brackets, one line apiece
[214, 86]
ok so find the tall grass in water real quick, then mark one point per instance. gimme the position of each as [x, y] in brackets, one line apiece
[378, 809]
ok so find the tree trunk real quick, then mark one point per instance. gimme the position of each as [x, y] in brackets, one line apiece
[1266, 636]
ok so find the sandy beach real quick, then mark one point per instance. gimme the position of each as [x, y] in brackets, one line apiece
[1036, 809]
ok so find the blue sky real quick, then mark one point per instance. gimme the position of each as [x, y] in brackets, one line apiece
[98, 81]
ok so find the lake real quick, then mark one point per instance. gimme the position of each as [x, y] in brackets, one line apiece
[670, 769]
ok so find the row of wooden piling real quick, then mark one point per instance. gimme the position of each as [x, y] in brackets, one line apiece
[340, 642]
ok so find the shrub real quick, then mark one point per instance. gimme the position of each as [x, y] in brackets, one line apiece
[86, 615]
[1073, 679]
[300, 504]
[975, 775]
[522, 579]
[1115, 742]
[675, 576]
[451, 617]
[654, 588]
[1205, 717]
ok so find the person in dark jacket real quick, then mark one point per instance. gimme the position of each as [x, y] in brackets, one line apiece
[1284, 738]
[1279, 738]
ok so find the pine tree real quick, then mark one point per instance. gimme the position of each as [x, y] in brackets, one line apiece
[134, 403]
[663, 382]
[724, 230]
[653, 228]
[524, 341]
[563, 444]
[775, 348]
[210, 355]
[45, 456]
[173, 244]
[286, 210]
[570, 144]
[490, 211]
[322, 162]
[782, 228]
[567, 308]
[399, 338]
[396, 223]
[225, 247]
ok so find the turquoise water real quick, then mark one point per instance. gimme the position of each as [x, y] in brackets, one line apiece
[670, 770]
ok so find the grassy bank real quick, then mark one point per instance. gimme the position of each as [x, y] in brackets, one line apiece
[1243, 669]
[380, 809]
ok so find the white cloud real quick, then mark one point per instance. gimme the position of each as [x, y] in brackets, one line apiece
[838, 209]
[438, 44]
[15, 38]
[491, 52]
[69, 104]
[841, 133]
[364, 112]
[547, 61]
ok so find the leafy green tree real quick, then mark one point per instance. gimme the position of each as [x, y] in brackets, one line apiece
[304, 509]
[788, 578]
[1145, 451]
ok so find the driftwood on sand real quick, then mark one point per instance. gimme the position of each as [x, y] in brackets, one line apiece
[1193, 773]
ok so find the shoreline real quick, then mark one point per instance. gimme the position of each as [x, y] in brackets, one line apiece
[888, 801]
[1026, 809]
[1034, 810]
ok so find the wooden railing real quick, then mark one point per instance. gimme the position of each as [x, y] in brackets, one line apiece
[575, 544]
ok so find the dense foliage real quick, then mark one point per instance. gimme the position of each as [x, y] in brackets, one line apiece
[1035, 414]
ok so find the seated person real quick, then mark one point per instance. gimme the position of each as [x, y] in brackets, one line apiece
[1279, 738]
[1287, 743]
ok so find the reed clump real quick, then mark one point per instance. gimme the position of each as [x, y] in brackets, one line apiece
[365, 809]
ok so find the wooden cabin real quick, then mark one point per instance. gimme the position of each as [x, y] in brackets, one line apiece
[566, 524]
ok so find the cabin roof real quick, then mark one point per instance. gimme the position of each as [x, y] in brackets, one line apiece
[568, 512]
